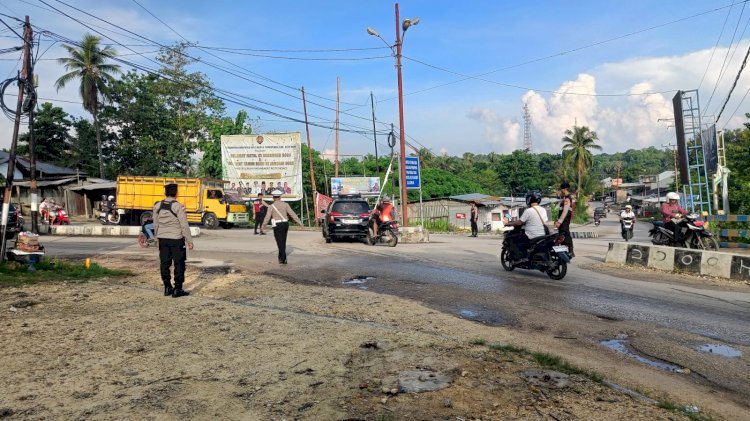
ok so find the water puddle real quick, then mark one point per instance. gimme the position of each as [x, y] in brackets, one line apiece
[468, 313]
[621, 346]
[721, 350]
[359, 281]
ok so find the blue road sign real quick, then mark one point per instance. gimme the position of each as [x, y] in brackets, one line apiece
[413, 177]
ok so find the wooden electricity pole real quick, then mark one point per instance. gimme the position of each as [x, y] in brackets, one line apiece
[22, 81]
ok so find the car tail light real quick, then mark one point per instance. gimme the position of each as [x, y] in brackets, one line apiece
[364, 215]
[334, 214]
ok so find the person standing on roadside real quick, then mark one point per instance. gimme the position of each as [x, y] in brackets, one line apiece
[259, 213]
[279, 213]
[474, 217]
[173, 234]
[565, 216]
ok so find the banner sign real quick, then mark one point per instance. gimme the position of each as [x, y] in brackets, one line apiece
[413, 177]
[460, 216]
[263, 163]
[321, 203]
[366, 186]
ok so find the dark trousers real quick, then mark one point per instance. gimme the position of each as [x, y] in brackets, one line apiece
[172, 251]
[568, 241]
[676, 234]
[259, 220]
[474, 228]
[279, 233]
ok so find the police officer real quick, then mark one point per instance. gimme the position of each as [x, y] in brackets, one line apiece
[278, 214]
[565, 215]
[173, 233]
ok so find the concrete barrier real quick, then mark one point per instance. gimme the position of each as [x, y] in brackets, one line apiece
[414, 235]
[104, 230]
[584, 234]
[672, 259]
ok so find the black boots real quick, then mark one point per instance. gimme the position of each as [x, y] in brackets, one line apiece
[168, 290]
[179, 292]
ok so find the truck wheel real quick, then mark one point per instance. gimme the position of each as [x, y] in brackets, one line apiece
[145, 216]
[210, 221]
[226, 225]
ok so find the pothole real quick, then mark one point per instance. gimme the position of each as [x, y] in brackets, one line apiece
[721, 350]
[621, 346]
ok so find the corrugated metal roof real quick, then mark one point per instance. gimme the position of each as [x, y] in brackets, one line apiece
[41, 167]
[109, 185]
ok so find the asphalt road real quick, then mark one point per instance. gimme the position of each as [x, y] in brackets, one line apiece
[666, 316]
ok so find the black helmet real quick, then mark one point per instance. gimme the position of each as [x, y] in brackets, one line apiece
[564, 185]
[533, 197]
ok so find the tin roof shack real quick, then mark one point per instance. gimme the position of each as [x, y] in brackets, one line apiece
[455, 210]
[53, 181]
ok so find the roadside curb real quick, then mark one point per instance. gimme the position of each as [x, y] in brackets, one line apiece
[680, 260]
[105, 230]
[414, 235]
[584, 234]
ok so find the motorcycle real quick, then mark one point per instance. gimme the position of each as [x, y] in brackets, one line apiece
[546, 254]
[387, 233]
[143, 238]
[692, 231]
[108, 215]
[596, 221]
[627, 228]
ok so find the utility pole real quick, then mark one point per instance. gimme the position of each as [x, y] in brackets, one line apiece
[336, 162]
[402, 134]
[309, 155]
[618, 167]
[22, 81]
[674, 157]
[375, 136]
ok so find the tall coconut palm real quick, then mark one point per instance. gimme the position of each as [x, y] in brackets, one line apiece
[89, 63]
[577, 146]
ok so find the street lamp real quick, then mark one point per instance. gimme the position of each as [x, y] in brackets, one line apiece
[400, 33]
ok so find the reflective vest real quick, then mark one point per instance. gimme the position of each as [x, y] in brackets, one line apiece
[385, 211]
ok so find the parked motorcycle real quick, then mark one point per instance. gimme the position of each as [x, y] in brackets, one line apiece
[627, 228]
[546, 254]
[387, 233]
[597, 221]
[692, 231]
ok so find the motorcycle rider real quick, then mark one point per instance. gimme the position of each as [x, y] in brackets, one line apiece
[384, 212]
[671, 209]
[627, 213]
[533, 219]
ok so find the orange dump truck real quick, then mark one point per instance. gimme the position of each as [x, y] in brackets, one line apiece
[204, 200]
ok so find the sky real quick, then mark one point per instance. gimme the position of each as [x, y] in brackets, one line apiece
[468, 67]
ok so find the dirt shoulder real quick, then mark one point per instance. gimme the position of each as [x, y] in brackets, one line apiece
[250, 346]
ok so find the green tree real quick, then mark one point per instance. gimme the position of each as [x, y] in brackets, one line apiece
[89, 64]
[51, 137]
[83, 147]
[577, 146]
[211, 164]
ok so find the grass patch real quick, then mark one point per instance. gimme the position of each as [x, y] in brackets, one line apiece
[478, 342]
[509, 349]
[434, 225]
[15, 274]
[552, 362]
[683, 410]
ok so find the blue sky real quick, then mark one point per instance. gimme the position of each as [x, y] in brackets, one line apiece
[469, 38]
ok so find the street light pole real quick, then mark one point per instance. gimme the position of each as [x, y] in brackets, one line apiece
[402, 135]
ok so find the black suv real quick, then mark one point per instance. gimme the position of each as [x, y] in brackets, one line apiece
[346, 217]
[14, 224]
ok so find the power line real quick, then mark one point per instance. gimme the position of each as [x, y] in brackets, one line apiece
[724, 64]
[742, 67]
[710, 59]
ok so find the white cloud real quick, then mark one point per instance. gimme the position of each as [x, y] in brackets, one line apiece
[502, 132]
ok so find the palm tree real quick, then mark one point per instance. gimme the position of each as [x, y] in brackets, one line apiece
[577, 146]
[88, 62]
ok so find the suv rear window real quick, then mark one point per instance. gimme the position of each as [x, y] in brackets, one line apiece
[351, 207]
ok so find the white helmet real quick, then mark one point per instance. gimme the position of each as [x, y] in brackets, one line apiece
[111, 198]
[673, 196]
[628, 207]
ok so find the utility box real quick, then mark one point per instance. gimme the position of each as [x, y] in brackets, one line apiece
[204, 200]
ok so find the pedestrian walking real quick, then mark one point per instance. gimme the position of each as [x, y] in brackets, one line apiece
[173, 234]
[565, 215]
[474, 217]
[259, 213]
[279, 213]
